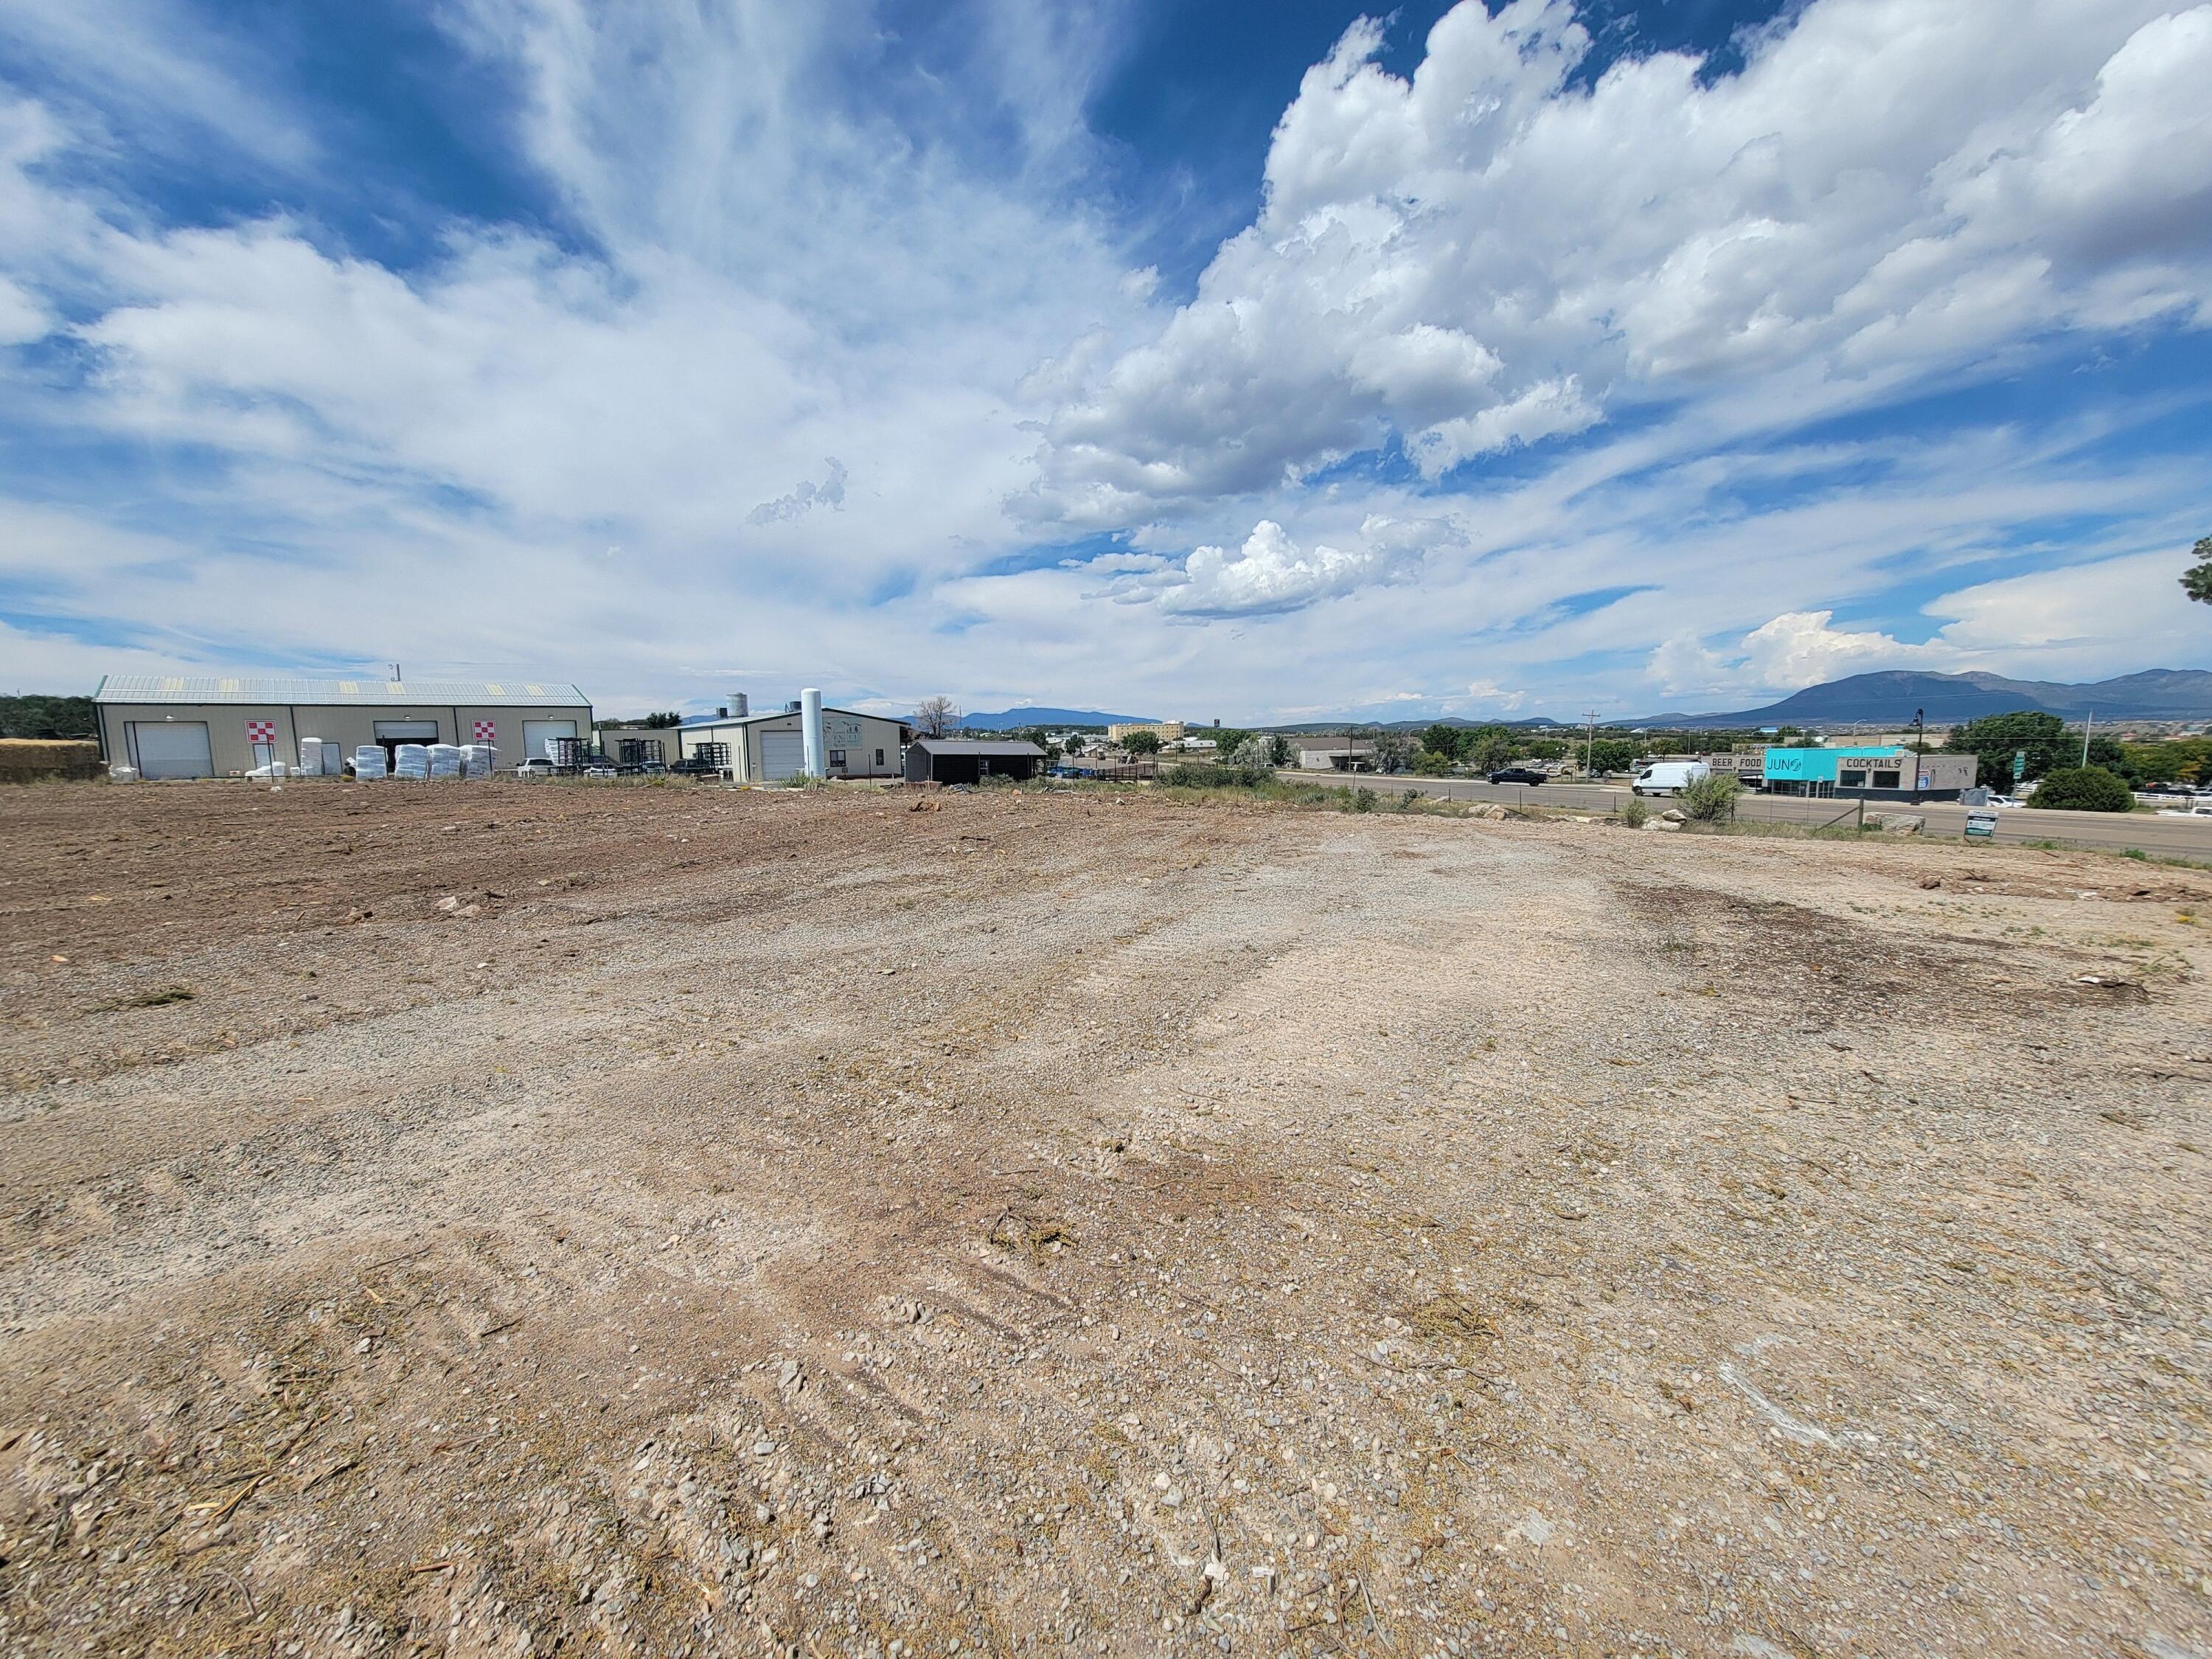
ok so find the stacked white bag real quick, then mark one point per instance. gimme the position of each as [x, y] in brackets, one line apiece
[478, 759]
[319, 757]
[411, 760]
[369, 761]
[445, 760]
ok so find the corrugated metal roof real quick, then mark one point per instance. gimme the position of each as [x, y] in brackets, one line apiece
[988, 750]
[365, 693]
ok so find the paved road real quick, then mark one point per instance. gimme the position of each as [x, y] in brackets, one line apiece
[2185, 838]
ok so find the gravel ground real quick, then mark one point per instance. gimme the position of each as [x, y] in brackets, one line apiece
[491, 1219]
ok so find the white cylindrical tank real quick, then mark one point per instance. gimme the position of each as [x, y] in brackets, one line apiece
[739, 704]
[810, 721]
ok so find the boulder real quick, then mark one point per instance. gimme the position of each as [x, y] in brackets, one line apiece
[1897, 823]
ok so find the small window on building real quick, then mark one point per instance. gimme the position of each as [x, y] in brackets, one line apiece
[1885, 780]
[1852, 780]
[879, 758]
[837, 757]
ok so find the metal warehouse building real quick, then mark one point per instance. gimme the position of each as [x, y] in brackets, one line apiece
[190, 727]
[770, 748]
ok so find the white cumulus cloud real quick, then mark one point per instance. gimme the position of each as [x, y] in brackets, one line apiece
[1795, 650]
[1271, 573]
[1487, 255]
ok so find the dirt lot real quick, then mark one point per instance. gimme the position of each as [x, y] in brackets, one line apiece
[749, 1222]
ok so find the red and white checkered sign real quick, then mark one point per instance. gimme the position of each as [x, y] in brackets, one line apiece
[486, 731]
[261, 731]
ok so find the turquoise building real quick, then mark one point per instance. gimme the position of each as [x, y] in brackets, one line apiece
[1887, 772]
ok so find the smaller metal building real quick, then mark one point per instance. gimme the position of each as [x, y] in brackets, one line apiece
[960, 760]
[175, 725]
[771, 748]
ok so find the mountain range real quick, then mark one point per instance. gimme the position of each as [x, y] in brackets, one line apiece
[1891, 696]
[1888, 697]
[1013, 720]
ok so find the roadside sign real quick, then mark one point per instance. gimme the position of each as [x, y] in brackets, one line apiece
[1926, 781]
[1981, 826]
[2018, 764]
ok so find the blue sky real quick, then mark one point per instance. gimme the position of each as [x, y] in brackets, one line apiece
[1250, 360]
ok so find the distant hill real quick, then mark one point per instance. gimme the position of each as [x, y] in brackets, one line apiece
[1323, 728]
[1013, 720]
[1890, 696]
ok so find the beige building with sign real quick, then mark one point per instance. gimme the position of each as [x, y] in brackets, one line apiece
[770, 748]
[211, 727]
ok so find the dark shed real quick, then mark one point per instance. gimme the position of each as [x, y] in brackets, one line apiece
[960, 760]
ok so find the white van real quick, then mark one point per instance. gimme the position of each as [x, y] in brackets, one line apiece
[1669, 777]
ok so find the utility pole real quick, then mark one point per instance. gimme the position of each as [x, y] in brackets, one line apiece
[2089, 726]
[1919, 749]
[1589, 739]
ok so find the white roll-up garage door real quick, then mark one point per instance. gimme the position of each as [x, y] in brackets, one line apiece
[534, 733]
[173, 749]
[783, 755]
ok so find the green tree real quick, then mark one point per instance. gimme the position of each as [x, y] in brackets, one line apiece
[1141, 742]
[47, 717]
[1612, 754]
[1428, 763]
[1447, 741]
[1393, 752]
[1994, 738]
[2196, 580]
[1279, 749]
[2178, 760]
[2085, 789]
[1490, 747]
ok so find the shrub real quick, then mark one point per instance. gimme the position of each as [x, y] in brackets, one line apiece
[29, 760]
[2085, 789]
[1710, 799]
[1634, 811]
[1203, 774]
[1363, 800]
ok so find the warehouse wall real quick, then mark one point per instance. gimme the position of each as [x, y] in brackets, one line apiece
[347, 725]
[859, 737]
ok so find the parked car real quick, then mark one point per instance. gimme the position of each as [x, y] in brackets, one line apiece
[1517, 774]
[2006, 800]
[1669, 777]
[537, 768]
[2202, 809]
